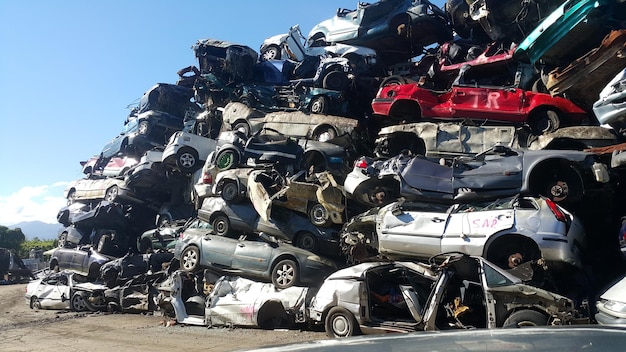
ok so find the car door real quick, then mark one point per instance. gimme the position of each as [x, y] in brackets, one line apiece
[345, 25]
[494, 171]
[503, 104]
[80, 260]
[470, 227]
[413, 232]
[253, 254]
[217, 250]
[53, 292]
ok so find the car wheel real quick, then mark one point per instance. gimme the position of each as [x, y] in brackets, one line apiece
[105, 244]
[187, 160]
[190, 259]
[227, 159]
[71, 197]
[230, 191]
[221, 225]
[144, 127]
[307, 241]
[34, 303]
[242, 127]
[145, 245]
[319, 216]
[544, 121]
[340, 323]
[324, 134]
[335, 80]
[272, 52]
[111, 193]
[77, 303]
[525, 317]
[285, 274]
[393, 81]
[557, 190]
[62, 239]
[319, 105]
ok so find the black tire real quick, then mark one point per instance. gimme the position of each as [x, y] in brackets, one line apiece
[145, 245]
[335, 80]
[319, 215]
[318, 40]
[221, 225]
[319, 105]
[324, 133]
[227, 159]
[187, 160]
[71, 197]
[77, 302]
[545, 121]
[285, 274]
[111, 193]
[524, 318]
[190, 259]
[143, 127]
[307, 241]
[230, 191]
[34, 303]
[272, 52]
[105, 244]
[242, 127]
[340, 323]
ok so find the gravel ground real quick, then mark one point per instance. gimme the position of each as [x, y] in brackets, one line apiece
[25, 329]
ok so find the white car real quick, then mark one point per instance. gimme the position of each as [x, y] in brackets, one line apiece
[610, 109]
[56, 291]
[94, 188]
[204, 181]
[187, 152]
[506, 231]
[612, 305]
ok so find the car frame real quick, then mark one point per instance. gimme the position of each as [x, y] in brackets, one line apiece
[507, 232]
[93, 188]
[473, 292]
[542, 112]
[83, 260]
[61, 290]
[251, 255]
[228, 219]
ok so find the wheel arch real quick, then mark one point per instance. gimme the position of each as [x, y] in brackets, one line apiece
[495, 247]
[406, 109]
[542, 169]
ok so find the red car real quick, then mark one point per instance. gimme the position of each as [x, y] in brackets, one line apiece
[544, 113]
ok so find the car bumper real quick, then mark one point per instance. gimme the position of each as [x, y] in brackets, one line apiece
[605, 319]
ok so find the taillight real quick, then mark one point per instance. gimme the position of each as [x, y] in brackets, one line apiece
[207, 178]
[558, 213]
[361, 163]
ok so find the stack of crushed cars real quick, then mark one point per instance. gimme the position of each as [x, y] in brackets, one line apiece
[402, 167]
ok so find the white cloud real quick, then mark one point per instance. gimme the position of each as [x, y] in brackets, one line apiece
[33, 203]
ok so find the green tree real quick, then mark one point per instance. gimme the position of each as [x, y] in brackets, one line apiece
[11, 238]
[36, 243]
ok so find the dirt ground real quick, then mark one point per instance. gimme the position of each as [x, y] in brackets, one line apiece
[25, 329]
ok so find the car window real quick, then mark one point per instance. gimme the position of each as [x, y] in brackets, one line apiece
[494, 278]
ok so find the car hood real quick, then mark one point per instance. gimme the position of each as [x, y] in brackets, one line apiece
[616, 292]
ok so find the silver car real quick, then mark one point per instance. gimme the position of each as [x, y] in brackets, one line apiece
[611, 107]
[465, 292]
[507, 231]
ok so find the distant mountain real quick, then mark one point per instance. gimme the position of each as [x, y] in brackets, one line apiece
[42, 230]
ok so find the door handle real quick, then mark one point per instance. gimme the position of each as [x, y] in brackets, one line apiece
[437, 220]
[460, 93]
[241, 245]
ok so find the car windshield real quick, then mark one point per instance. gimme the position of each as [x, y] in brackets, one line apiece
[130, 126]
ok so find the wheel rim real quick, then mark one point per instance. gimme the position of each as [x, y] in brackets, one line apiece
[143, 127]
[285, 275]
[225, 161]
[111, 194]
[271, 53]
[319, 215]
[559, 191]
[78, 303]
[190, 258]
[325, 135]
[308, 242]
[341, 325]
[220, 226]
[187, 160]
[317, 107]
[229, 192]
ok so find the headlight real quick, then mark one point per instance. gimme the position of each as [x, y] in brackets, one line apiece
[618, 308]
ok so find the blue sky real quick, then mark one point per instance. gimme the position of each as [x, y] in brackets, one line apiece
[69, 69]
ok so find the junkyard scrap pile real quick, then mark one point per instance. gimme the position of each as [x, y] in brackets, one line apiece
[401, 168]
